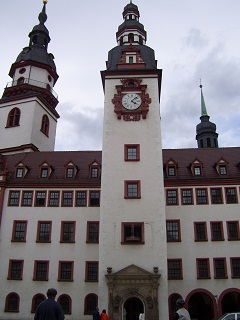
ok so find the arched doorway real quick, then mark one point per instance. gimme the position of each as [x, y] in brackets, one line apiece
[230, 302]
[200, 306]
[132, 308]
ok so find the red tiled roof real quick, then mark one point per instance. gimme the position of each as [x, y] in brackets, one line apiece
[83, 159]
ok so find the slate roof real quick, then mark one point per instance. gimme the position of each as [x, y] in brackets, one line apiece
[146, 53]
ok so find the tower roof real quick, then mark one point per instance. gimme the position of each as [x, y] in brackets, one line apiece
[206, 135]
[38, 44]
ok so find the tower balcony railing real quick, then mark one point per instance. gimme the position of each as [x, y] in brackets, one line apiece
[32, 82]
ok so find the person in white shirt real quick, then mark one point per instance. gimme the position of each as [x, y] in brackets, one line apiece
[182, 313]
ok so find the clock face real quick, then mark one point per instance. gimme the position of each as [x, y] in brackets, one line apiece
[131, 101]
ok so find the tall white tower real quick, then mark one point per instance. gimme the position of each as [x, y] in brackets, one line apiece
[132, 254]
[27, 108]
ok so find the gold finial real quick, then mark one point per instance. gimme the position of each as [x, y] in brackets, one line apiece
[45, 1]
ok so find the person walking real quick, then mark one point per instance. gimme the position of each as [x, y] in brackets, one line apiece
[182, 313]
[49, 309]
[104, 315]
[96, 314]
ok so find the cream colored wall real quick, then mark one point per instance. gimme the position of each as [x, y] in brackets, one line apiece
[115, 209]
[79, 252]
[32, 110]
[188, 250]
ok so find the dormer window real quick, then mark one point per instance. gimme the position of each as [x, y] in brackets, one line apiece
[70, 170]
[222, 167]
[196, 168]
[45, 170]
[19, 173]
[21, 170]
[222, 170]
[131, 59]
[95, 170]
[171, 168]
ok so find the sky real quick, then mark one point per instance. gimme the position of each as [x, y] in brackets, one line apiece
[192, 40]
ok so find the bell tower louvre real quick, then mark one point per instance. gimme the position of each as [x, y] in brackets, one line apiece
[28, 115]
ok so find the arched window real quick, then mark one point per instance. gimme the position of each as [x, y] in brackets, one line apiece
[36, 300]
[140, 40]
[13, 118]
[90, 303]
[20, 80]
[66, 303]
[131, 37]
[45, 125]
[121, 41]
[12, 302]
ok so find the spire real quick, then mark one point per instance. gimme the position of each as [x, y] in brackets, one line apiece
[206, 131]
[42, 15]
[203, 105]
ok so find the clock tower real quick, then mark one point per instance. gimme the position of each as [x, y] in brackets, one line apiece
[132, 248]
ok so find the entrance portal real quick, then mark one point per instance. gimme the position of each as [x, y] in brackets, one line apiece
[132, 308]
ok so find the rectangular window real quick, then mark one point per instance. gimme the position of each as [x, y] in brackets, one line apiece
[41, 270]
[19, 172]
[68, 231]
[40, 199]
[173, 230]
[91, 271]
[65, 272]
[53, 199]
[69, 172]
[235, 267]
[217, 231]
[131, 152]
[93, 231]
[172, 197]
[231, 195]
[94, 172]
[220, 268]
[44, 172]
[200, 230]
[216, 195]
[27, 198]
[15, 270]
[197, 171]
[44, 231]
[174, 269]
[132, 233]
[19, 231]
[94, 198]
[187, 197]
[67, 199]
[81, 198]
[203, 270]
[132, 190]
[14, 197]
[233, 230]
[171, 171]
[201, 195]
[222, 170]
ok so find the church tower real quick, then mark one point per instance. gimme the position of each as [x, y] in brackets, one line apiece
[206, 131]
[132, 247]
[28, 115]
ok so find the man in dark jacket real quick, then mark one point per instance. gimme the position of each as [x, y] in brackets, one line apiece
[49, 309]
[96, 314]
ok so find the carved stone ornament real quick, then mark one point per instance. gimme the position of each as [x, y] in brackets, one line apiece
[131, 85]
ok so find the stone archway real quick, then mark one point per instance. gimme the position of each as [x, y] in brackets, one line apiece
[132, 308]
[131, 285]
